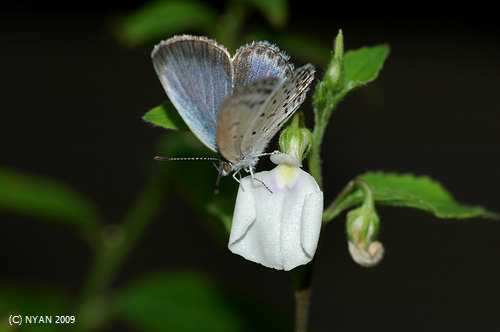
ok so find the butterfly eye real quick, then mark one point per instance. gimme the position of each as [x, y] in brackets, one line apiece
[226, 168]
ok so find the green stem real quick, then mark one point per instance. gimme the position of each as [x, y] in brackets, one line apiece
[301, 280]
[323, 111]
[110, 256]
[113, 249]
[331, 211]
[302, 301]
[315, 156]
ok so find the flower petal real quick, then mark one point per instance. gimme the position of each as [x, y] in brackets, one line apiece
[279, 229]
[245, 215]
[367, 258]
[311, 222]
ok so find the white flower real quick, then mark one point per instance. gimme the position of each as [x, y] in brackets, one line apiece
[279, 229]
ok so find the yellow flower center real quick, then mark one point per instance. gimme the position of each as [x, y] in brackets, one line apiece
[287, 175]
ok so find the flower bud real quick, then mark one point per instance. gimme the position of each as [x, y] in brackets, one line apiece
[296, 140]
[335, 71]
[362, 229]
[362, 225]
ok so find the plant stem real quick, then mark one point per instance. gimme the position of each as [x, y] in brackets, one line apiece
[330, 212]
[302, 301]
[301, 279]
[315, 156]
[113, 249]
[322, 113]
[302, 276]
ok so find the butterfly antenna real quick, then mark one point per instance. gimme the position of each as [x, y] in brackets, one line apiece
[269, 153]
[184, 158]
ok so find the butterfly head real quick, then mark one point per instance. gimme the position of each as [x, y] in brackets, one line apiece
[225, 167]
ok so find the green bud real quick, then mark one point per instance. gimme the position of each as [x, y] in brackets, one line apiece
[296, 140]
[362, 226]
[362, 230]
[335, 72]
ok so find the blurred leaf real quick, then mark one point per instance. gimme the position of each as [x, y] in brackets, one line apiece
[27, 300]
[275, 11]
[306, 48]
[363, 65]
[300, 47]
[163, 18]
[165, 116]
[185, 301]
[44, 198]
[221, 207]
[418, 192]
[197, 179]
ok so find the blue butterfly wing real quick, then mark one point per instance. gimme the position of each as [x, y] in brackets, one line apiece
[258, 61]
[196, 75]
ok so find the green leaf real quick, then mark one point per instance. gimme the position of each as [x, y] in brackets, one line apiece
[362, 66]
[407, 190]
[184, 301]
[275, 11]
[39, 197]
[28, 300]
[162, 18]
[165, 116]
[358, 67]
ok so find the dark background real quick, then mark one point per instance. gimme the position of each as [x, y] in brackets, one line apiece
[71, 101]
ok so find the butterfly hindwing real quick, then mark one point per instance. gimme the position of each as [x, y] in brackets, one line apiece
[259, 60]
[196, 75]
[237, 112]
[277, 109]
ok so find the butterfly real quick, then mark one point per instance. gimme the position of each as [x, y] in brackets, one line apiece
[233, 105]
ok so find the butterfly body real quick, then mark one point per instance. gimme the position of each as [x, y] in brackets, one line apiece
[233, 105]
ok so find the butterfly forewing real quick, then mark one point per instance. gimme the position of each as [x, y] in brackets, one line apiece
[196, 74]
[237, 113]
[259, 60]
[277, 109]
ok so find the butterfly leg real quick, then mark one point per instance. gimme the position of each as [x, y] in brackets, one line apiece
[234, 177]
[258, 180]
[217, 182]
[238, 180]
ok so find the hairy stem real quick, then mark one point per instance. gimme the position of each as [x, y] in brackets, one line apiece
[315, 156]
